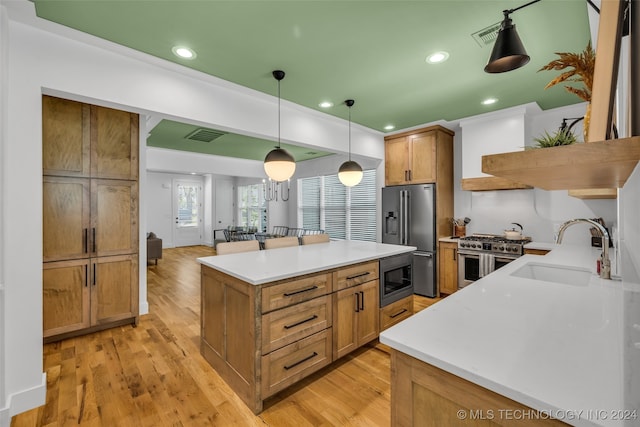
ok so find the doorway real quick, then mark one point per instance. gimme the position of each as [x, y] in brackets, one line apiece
[187, 212]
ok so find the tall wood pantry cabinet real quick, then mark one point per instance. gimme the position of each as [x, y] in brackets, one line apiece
[90, 217]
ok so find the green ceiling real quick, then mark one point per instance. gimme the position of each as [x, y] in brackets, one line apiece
[371, 51]
[173, 135]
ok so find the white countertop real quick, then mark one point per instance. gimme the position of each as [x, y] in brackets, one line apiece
[265, 266]
[554, 347]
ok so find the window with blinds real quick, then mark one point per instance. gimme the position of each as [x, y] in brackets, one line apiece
[252, 209]
[343, 212]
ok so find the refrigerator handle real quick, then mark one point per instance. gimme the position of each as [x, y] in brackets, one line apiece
[407, 217]
[401, 217]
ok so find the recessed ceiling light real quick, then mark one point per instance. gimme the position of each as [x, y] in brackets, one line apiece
[194, 173]
[489, 101]
[389, 127]
[326, 104]
[183, 52]
[436, 58]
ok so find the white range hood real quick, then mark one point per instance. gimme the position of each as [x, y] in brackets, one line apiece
[497, 132]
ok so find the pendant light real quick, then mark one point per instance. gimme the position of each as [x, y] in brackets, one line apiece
[279, 164]
[508, 52]
[350, 173]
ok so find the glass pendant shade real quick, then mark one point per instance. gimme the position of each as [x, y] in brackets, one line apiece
[279, 165]
[350, 173]
[508, 51]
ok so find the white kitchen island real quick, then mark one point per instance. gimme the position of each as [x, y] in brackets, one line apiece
[566, 345]
[270, 318]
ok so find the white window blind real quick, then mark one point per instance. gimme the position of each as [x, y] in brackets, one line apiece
[252, 210]
[343, 212]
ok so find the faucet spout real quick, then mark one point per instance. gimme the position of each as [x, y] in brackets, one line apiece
[605, 267]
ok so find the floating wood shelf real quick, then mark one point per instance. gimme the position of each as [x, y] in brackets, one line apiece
[595, 193]
[491, 183]
[593, 165]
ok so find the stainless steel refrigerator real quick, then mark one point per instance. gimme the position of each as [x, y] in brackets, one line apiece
[408, 218]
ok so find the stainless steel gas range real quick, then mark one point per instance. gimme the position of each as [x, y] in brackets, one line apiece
[480, 254]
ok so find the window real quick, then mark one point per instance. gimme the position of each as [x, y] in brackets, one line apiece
[252, 210]
[188, 206]
[343, 212]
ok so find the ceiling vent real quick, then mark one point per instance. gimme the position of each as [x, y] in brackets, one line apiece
[204, 135]
[487, 36]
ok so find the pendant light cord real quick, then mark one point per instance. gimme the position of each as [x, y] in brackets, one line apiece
[349, 133]
[278, 113]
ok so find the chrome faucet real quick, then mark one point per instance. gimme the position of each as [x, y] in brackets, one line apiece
[605, 265]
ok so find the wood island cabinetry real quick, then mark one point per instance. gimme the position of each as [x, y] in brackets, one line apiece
[264, 338]
[424, 395]
[396, 312]
[447, 267]
[90, 217]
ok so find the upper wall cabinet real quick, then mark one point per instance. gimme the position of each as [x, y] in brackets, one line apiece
[416, 157]
[84, 140]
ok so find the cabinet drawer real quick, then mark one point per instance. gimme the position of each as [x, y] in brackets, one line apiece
[290, 364]
[282, 327]
[294, 291]
[396, 312]
[354, 275]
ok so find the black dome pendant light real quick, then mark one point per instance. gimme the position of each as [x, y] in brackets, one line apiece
[508, 52]
[279, 164]
[350, 172]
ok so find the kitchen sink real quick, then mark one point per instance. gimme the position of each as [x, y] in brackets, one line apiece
[554, 273]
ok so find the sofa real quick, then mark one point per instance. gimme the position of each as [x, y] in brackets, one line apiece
[154, 248]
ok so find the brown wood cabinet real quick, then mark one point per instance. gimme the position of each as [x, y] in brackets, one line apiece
[88, 140]
[264, 338]
[90, 217]
[396, 312]
[356, 314]
[447, 267]
[424, 156]
[413, 157]
[423, 395]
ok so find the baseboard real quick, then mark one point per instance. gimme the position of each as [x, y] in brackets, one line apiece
[25, 400]
[5, 419]
[143, 308]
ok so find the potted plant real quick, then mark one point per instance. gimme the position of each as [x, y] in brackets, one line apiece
[558, 138]
[581, 71]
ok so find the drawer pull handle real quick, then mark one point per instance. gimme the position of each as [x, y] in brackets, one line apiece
[404, 310]
[314, 317]
[288, 294]
[358, 275]
[293, 365]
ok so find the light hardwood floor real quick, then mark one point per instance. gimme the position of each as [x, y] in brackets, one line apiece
[153, 375]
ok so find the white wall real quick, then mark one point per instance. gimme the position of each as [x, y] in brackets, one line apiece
[39, 56]
[4, 47]
[629, 228]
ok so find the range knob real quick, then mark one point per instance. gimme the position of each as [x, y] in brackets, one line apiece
[501, 248]
[514, 249]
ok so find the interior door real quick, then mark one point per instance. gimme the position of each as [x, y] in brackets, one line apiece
[187, 212]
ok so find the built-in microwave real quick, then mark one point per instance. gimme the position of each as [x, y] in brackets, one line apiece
[396, 278]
